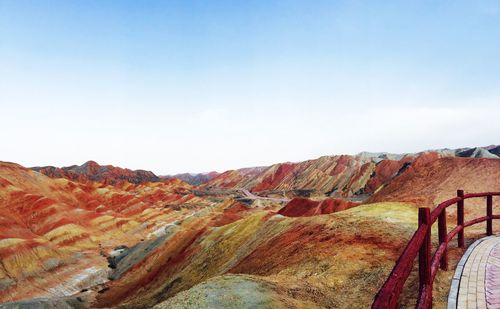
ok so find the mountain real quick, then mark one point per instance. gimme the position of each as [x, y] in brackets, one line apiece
[91, 171]
[54, 230]
[495, 150]
[337, 176]
[431, 179]
[193, 178]
[477, 152]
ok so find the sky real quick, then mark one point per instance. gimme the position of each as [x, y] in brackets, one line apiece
[196, 86]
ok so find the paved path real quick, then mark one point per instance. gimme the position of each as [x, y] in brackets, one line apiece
[476, 283]
[252, 196]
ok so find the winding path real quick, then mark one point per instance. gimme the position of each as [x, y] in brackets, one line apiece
[476, 283]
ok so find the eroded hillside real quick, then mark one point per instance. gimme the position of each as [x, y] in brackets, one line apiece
[54, 230]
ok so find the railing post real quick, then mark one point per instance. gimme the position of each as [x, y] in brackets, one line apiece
[489, 214]
[443, 233]
[460, 218]
[424, 254]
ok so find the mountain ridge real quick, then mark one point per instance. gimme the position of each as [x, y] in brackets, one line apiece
[92, 171]
[336, 176]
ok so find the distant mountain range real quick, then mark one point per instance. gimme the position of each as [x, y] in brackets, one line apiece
[193, 178]
[91, 171]
[338, 176]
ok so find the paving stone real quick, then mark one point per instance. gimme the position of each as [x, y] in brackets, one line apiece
[477, 277]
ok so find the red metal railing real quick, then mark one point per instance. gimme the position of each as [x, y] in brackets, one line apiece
[420, 244]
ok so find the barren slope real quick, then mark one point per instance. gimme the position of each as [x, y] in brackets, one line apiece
[431, 180]
[52, 230]
[321, 260]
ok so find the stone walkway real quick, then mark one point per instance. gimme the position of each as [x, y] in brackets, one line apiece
[476, 283]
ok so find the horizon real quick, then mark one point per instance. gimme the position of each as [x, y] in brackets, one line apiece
[193, 86]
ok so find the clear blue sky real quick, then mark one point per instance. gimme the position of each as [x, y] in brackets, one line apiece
[186, 86]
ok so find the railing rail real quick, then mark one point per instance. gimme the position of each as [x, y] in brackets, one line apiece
[420, 244]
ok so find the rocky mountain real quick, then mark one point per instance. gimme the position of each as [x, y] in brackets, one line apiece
[92, 171]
